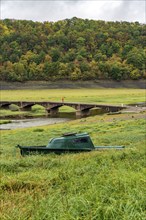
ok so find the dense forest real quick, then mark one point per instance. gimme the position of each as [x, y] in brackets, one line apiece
[73, 49]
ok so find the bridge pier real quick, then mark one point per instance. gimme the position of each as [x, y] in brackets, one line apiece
[83, 113]
[47, 112]
[112, 109]
[53, 111]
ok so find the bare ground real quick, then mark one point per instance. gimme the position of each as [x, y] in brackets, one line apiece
[127, 115]
[63, 84]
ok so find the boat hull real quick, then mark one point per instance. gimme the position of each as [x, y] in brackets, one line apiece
[44, 150]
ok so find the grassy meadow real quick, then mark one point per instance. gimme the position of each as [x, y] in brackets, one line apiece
[109, 96]
[101, 185]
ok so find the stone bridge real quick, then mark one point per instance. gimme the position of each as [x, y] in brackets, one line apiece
[52, 108]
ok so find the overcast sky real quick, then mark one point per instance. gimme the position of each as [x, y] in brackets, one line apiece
[47, 10]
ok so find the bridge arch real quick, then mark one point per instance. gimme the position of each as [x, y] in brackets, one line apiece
[5, 106]
[66, 108]
[28, 106]
[37, 108]
[14, 107]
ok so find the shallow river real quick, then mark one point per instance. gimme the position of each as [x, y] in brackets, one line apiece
[26, 123]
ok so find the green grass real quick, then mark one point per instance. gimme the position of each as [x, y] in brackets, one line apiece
[5, 122]
[109, 96]
[96, 185]
[36, 111]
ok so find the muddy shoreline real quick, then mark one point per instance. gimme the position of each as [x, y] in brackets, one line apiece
[64, 84]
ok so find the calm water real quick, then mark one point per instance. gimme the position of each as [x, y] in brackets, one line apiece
[32, 122]
[26, 123]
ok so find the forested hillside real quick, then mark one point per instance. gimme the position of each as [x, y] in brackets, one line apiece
[71, 49]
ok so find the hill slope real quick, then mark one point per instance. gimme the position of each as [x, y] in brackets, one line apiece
[74, 49]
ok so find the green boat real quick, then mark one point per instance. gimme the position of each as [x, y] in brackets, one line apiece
[67, 143]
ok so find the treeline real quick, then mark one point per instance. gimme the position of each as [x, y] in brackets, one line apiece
[71, 49]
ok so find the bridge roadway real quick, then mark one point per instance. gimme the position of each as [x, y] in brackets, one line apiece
[52, 108]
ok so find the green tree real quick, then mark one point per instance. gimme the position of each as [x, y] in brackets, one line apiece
[135, 74]
[51, 70]
[76, 74]
[20, 71]
[55, 54]
[83, 48]
[137, 58]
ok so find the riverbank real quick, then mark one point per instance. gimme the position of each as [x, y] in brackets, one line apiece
[139, 84]
[34, 122]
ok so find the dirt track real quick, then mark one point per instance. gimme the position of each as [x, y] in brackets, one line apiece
[127, 115]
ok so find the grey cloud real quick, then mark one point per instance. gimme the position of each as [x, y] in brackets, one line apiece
[42, 10]
[31, 10]
[131, 11]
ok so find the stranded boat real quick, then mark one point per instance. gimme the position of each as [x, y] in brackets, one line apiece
[68, 142]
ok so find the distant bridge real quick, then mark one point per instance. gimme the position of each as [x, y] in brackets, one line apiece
[52, 108]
